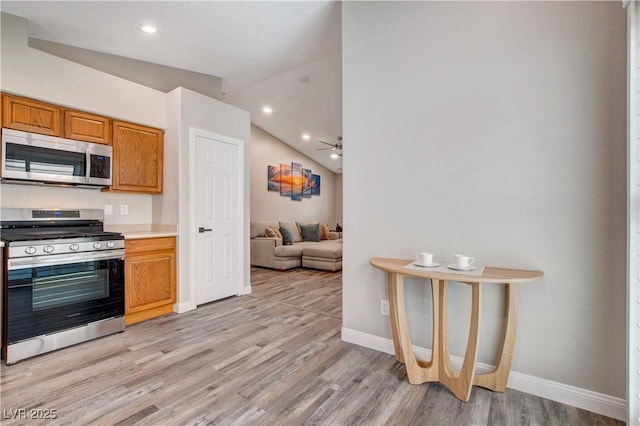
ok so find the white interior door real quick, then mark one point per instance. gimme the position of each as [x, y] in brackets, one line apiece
[218, 225]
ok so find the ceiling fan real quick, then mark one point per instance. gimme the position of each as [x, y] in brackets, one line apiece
[335, 147]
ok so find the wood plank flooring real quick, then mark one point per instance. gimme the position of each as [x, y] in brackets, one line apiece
[272, 358]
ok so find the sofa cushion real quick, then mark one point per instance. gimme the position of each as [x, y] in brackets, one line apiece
[288, 251]
[324, 232]
[258, 227]
[273, 233]
[287, 238]
[293, 229]
[310, 232]
[330, 251]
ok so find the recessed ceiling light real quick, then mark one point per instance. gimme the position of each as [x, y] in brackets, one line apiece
[335, 155]
[149, 29]
[267, 109]
[306, 136]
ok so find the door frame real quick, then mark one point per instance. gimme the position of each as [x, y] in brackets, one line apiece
[194, 133]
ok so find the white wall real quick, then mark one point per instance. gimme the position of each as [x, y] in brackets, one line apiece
[200, 112]
[48, 197]
[32, 73]
[267, 150]
[495, 129]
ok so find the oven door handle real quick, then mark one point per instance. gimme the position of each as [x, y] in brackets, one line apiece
[63, 259]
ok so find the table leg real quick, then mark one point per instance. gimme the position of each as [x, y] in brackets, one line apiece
[497, 379]
[459, 382]
[417, 371]
[392, 283]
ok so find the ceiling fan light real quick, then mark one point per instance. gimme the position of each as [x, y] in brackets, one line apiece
[149, 29]
[335, 155]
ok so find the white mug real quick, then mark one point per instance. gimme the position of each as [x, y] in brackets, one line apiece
[462, 261]
[424, 259]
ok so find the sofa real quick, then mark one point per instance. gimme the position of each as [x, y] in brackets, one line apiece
[294, 250]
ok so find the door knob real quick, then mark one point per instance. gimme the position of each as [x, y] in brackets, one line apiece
[203, 230]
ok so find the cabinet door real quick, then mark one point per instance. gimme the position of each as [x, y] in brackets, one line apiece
[87, 127]
[137, 158]
[31, 116]
[150, 281]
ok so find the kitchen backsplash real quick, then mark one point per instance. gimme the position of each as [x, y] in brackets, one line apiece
[137, 206]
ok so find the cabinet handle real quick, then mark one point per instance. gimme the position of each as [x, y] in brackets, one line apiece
[203, 230]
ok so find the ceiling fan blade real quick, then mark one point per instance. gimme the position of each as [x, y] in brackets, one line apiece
[327, 143]
[322, 149]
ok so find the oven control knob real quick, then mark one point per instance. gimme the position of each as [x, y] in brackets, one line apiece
[30, 250]
[74, 247]
[111, 244]
[97, 245]
[48, 249]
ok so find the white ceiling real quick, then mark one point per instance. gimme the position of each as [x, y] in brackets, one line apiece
[262, 50]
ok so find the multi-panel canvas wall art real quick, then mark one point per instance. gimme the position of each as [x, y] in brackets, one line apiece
[291, 180]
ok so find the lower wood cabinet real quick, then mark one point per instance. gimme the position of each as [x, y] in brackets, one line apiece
[150, 278]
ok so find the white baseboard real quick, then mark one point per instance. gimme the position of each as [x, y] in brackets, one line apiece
[183, 307]
[566, 394]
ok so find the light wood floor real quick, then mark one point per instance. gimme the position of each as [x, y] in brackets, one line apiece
[274, 357]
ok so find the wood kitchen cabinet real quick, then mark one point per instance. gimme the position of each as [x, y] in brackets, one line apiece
[31, 116]
[137, 158]
[87, 127]
[150, 278]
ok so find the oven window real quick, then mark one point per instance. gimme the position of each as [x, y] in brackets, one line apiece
[27, 158]
[68, 284]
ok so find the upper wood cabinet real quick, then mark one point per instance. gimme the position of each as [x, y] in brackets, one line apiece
[87, 127]
[31, 116]
[137, 158]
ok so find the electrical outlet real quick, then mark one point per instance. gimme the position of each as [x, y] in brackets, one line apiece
[124, 209]
[384, 307]
[108, 209]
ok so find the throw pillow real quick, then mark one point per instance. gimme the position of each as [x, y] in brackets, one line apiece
[287, 238]
[310, 232]
[273, 233]
[293, 230]
[324, 232]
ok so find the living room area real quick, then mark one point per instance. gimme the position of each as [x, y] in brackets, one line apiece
[311, 222]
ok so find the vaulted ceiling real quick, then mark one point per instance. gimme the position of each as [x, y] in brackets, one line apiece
[286, 55]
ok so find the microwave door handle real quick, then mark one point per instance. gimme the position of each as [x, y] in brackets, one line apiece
[88, 163]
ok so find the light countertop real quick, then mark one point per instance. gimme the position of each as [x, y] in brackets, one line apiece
[138, 231]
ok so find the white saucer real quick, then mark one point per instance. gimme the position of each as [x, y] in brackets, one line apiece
[431, 265]
[463, 268]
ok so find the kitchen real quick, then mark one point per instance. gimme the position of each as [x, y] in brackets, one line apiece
[159, 211]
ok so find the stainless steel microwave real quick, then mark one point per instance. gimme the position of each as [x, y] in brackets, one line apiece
[30, 157]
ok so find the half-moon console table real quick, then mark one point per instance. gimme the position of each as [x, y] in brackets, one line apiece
[439, 368]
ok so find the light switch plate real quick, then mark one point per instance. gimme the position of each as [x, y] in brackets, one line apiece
[108, 209]
[124, 209]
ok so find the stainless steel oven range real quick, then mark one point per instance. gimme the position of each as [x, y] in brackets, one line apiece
[63, 282]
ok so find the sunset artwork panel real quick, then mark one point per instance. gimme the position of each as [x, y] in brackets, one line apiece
[286, 180]
[307, 184]
[273, 178]
[297, 180]
[316, 185]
